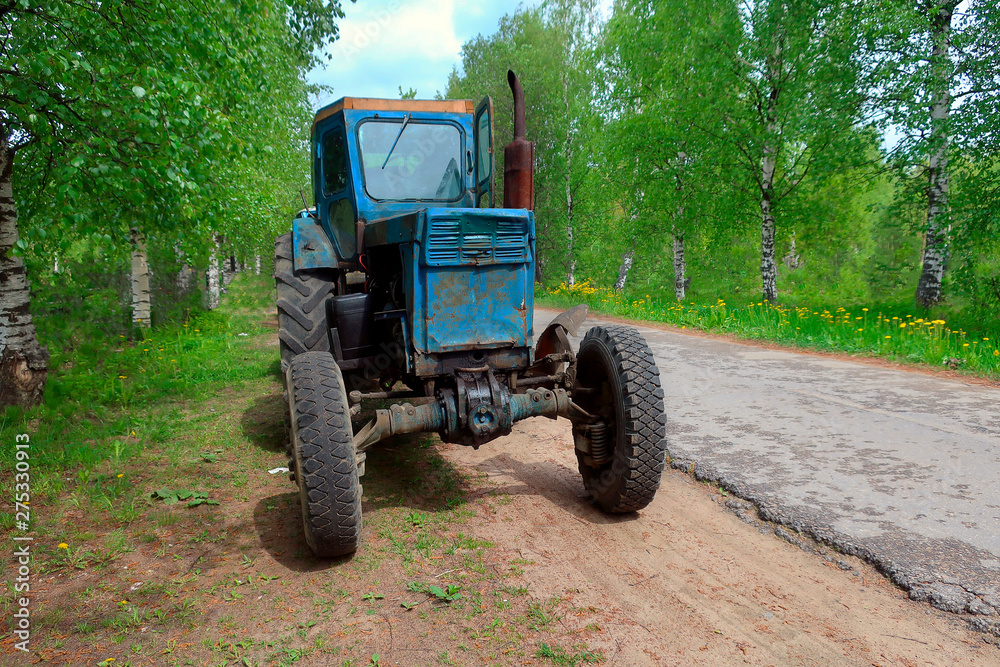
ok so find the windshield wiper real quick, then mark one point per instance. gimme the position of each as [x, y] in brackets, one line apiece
[406, 119]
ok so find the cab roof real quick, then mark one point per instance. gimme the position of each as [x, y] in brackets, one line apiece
[374, 104]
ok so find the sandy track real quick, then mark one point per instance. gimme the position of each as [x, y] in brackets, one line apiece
[687, 582]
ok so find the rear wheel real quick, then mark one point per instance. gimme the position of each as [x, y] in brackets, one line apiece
[301, 299]
[618, 382]
[326, 466]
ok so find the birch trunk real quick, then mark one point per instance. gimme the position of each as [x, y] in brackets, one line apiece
[768, 269]
[182, 282]
[256, 265]
[792, 260]
[23, 361]
[228, 271]
[139, 278]
[625, 267]
[214, 295]
[680, 268]
[571, 275]
[935, 254]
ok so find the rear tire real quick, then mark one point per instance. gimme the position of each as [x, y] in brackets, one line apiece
[617, 379]
[325, 462]
[302, 325]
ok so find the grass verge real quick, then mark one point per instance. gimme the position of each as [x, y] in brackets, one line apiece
[886, 331]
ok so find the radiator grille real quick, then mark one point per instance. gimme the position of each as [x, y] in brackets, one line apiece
[486, 240]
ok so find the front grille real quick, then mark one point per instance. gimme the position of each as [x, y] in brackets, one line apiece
[471, 240]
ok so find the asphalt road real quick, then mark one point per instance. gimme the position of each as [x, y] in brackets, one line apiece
[900, 468]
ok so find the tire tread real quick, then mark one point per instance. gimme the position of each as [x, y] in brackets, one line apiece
[641, 457]
[325, 460]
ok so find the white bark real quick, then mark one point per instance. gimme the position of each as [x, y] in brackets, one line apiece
[182, 282]
[214, 288]
[935, 254]
[256, 264]
[680, 268]
[228, 271]
[139, 278]
[768, 269]
[23, 361]
[627, 259]
[571, 275]
[792, 260]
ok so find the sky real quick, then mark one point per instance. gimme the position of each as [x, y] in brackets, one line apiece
[385, 44]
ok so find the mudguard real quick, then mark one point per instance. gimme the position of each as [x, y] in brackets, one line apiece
[553, 339]
[311, 247]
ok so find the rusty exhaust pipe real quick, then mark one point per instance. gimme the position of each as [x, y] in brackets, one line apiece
[518, 157]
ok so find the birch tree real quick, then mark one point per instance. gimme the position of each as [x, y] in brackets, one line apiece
[936, 84]
[115, 110]
[799, 99]
[657, 77]
[551, 49]
[139, 279]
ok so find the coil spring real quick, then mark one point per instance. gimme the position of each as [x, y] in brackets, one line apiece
[599, 450]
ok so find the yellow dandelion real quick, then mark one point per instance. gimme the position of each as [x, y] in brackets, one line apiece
[63, 545]
[865, 309]
[902, 325]
[120, 475]
[888, 336]
[965, 345]
[996, 353]
[121, 377]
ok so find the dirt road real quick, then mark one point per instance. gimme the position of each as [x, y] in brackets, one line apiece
[688, 582]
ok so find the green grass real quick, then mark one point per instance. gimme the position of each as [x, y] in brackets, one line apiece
[887, 331]
[108, 396]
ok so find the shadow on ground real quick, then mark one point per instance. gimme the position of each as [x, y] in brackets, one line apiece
[264, 422]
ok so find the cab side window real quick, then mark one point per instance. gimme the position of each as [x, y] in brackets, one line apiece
[334, 163]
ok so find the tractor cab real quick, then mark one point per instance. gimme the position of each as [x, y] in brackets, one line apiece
[375, 159]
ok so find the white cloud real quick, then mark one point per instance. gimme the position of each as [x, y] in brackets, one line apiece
[388, 44]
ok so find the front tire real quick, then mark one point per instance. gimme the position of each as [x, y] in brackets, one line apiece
[301, 299]
[618, 381]
[326, 466]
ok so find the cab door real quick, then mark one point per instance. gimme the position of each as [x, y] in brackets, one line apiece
[483, 139]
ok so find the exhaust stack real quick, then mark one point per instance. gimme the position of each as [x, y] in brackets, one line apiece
[518, 157]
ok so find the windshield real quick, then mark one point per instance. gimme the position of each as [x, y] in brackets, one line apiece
[425, 163]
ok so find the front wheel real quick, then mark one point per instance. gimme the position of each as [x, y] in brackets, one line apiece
[326, 466]
[618, 382]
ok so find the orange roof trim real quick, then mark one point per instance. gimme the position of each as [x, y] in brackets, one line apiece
[373, 104]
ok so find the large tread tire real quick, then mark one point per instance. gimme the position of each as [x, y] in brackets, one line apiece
[301, 298]
[617, 366]
[326, 465]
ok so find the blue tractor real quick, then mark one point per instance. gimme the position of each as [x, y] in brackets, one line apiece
[405, 286]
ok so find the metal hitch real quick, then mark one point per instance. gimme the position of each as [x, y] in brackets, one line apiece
[477, 410]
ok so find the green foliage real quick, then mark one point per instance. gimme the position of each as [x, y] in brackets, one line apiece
[103, 386]
[173, 496]
[885, 330]
[450, 593]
